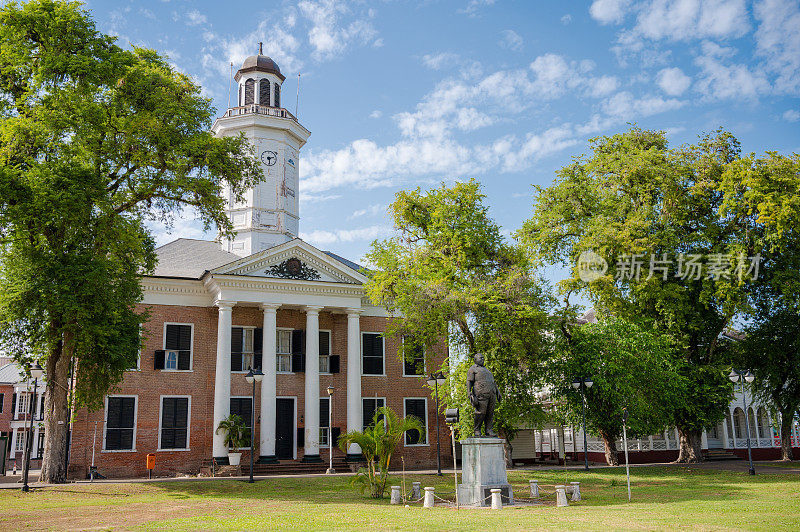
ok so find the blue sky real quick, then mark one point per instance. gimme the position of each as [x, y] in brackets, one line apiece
[404, 94]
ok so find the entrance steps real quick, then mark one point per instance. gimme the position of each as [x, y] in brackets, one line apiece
[719, 454]
[295, 467]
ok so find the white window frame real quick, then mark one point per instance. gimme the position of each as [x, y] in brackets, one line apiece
[322, 429]
[135, 423]
[424, 362]
[164, 347]
[328, 357]
[18, 432]
[427, 429]
[251, 406]
[279, 355]
[253, 353]
[362, 407]
[188, 421]
[361, 354]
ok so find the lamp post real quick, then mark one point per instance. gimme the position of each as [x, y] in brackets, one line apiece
[583, 383]
[741, 376]
[36, 372]
[435, 380]
[252, 377]
[330, 470]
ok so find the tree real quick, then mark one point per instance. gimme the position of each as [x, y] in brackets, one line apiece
[634, 202]
[449, 273]
[378, 443]
[94, 141]
[631, 366]
[237, 435]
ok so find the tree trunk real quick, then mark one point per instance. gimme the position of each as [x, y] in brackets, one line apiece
[612, 458]
[786, 436]
[56, 417]
[690, 445]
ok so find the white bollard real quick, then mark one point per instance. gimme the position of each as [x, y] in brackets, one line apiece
[561, 496]
[576, 491]
[497, 501]
[427, 502]
[416, 491]
[395, 495]
[534, 489]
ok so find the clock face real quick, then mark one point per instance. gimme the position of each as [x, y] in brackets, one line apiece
[269, 158]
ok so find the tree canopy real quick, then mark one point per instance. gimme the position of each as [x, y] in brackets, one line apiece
[94, 141]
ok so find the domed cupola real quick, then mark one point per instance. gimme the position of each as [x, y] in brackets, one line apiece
[259, 80]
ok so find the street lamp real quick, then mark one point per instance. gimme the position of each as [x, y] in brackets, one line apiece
[330, 470]
[583, 383]
[36, 372]
[435, 380]
[741, 376]
[252, 377]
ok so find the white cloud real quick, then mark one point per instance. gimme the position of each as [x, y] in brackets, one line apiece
[473, 6]
[719, 79]
[195, 18]
[377, 113]
[566, 19]
[624, 106]
[440, 60]
[608, 11]
[691, 19]
[372, 210]
[673, 81]
[792, 115]
[327, 37]
[778, 41]
[323, 238]
[511, 40]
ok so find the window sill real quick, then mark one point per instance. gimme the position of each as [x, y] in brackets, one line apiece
[118, 450]
[373, 374]
[284, 373]
[414, 376]
[171, 450]
[416, 445]
[176, 370]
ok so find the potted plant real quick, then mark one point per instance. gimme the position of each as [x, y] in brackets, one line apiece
[237, 435]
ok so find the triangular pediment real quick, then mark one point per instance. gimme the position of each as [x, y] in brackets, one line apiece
[295, 260]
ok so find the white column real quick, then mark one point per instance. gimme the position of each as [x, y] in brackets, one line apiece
[725, 434]
[353, 375]
[14, 436]
[312, 386]
[222, 377]
[269, 384]
[35, 440]
[704, 439]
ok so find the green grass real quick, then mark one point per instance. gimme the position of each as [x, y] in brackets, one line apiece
[663, 498]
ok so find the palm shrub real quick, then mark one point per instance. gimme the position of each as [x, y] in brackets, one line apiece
[237, 435]
[378, 442]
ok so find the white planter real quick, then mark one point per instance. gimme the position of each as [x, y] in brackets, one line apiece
[234, 458]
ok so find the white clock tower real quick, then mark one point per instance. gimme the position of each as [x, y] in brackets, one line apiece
[270, 214]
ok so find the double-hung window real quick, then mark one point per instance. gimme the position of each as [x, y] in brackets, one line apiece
[246, 345]
[325, 352]
[120, 423]
[413, 358]
[369, 405]
[417, 408]
[243, 407]
[284, 350]
[174, 423]
[372, 354]
[177, 353]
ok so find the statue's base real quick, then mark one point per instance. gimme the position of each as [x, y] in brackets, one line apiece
[483, 467]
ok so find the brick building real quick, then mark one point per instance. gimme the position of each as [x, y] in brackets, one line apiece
[264, 299]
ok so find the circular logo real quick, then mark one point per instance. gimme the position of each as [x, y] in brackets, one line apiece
[591, 266]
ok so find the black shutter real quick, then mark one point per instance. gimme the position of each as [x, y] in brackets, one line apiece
[263, 92]
[298, 351]
[335, 433]
[301, 437]
[236, 361]
[14, 406]
[333, 363]
[158, 359]
[258, 348]
[323, 412]
[298, 363]
[172, 341]
[236, 348]
[277, 95]
[184, 359]
[324, 343]
[185, 337]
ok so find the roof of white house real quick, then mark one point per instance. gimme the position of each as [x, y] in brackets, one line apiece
[10, 374]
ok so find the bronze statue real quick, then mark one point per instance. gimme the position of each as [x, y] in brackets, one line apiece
[483, 394]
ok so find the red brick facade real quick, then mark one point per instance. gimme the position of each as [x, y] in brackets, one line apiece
[148, 385]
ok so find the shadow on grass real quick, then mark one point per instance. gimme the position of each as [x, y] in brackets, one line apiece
[599, 487]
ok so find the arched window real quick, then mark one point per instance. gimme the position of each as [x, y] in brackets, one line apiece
[277, 95]
[240, 96]
[249, 91]
[263, 92]
[752, 418]
[738, 423]
[728, 423]
[763, 423]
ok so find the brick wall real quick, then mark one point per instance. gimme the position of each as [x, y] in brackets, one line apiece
[149, 385]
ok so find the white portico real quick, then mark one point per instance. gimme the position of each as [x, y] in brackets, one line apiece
[296, 276]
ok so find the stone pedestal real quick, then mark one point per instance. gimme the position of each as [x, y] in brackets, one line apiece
[483, 467]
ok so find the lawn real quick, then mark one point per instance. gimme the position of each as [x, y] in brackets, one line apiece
[663, 498]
